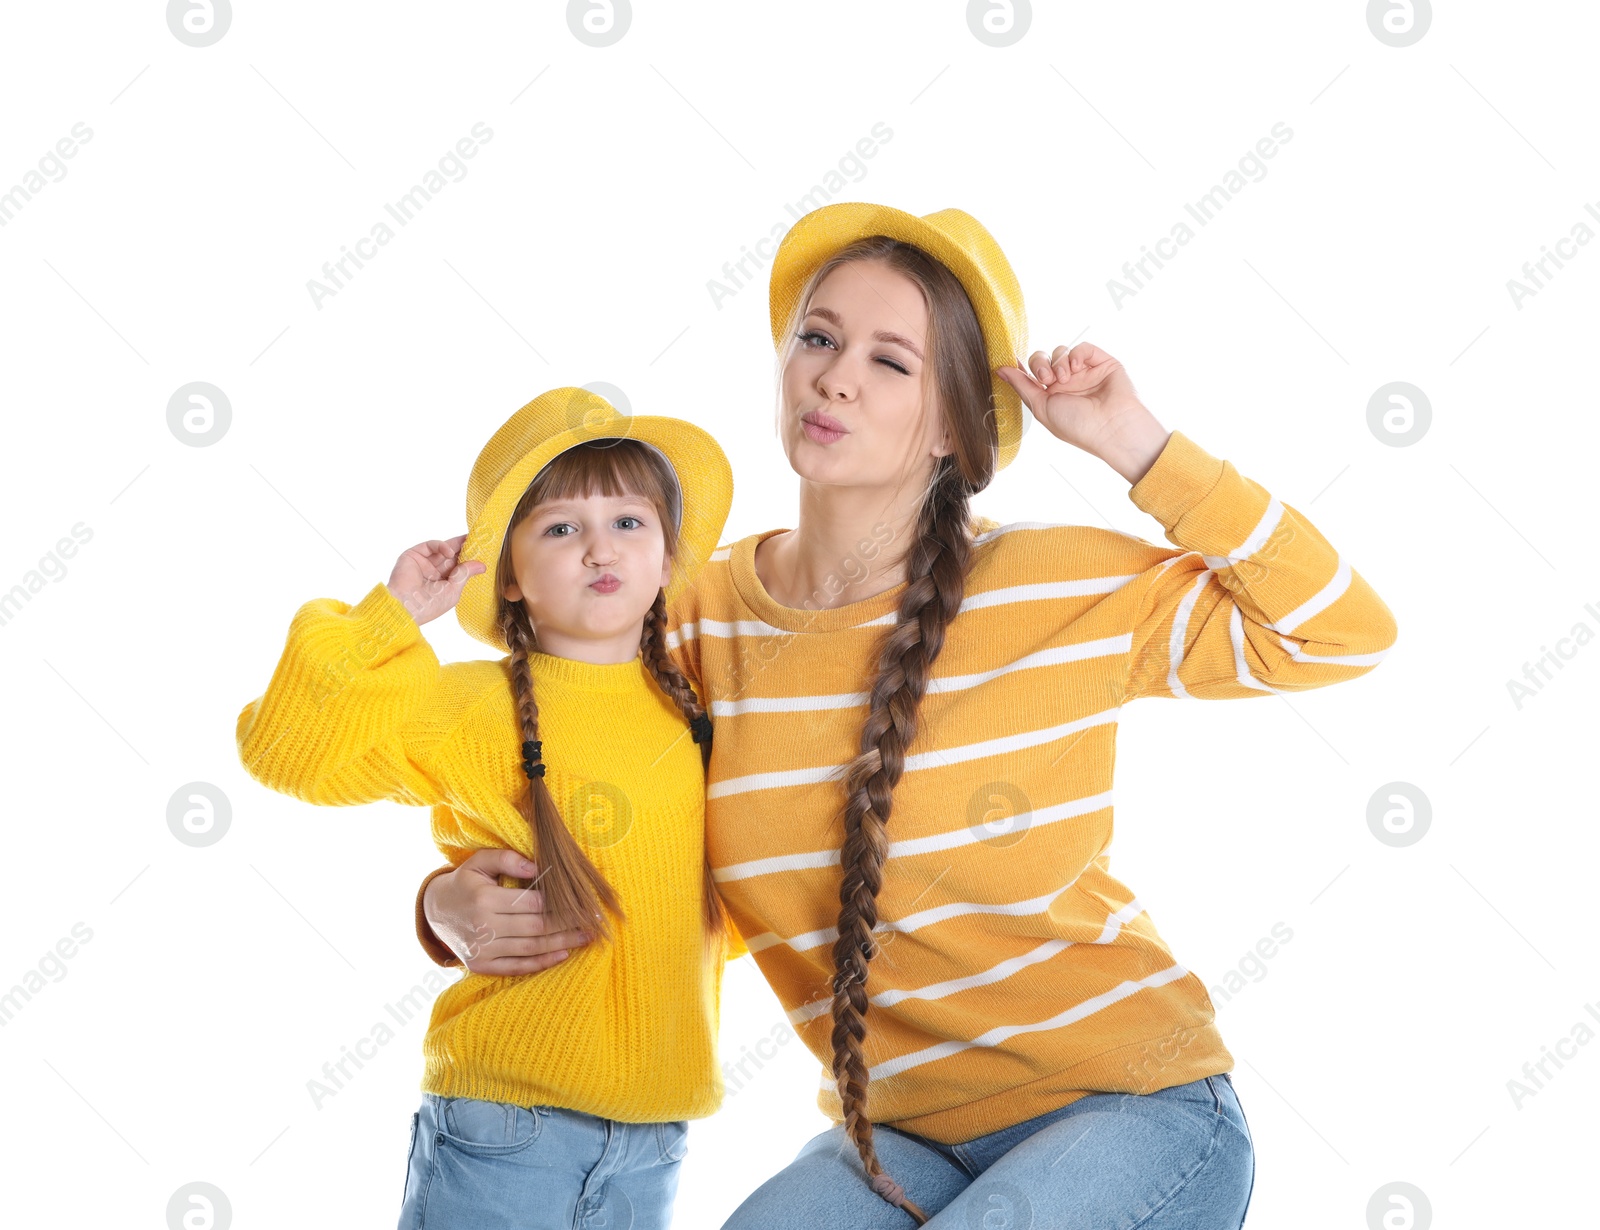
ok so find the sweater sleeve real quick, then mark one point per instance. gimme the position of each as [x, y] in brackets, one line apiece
[349, 714]
[438, 951]
[1257, 602]
[683, 641]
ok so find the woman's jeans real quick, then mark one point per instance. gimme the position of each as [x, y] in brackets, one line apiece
[1177, 1159]
[479, 1165]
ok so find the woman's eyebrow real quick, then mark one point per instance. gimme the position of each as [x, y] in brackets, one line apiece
[882, 335]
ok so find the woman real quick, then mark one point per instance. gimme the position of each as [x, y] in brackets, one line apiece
[932, 845]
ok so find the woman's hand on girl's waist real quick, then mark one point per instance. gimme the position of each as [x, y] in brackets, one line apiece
[495, 930]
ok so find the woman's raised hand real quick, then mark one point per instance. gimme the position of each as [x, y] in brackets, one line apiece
[1084, 396]
[428, 578]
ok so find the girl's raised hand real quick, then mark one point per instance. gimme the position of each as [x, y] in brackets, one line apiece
[429, 577]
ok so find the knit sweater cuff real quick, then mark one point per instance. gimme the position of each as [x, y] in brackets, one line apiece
[436, 948]
[1180, 478]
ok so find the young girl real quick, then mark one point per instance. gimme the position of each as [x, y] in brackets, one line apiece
[553, 1099]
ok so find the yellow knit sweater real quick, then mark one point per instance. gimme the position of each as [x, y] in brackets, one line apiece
[359, 709]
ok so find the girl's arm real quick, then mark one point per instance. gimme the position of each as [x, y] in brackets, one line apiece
[358, 698]
[344, 718]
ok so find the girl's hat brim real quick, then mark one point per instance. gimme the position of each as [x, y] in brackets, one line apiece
[545, 428]
[955, 238]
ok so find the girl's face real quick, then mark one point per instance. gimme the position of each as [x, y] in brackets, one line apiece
[588, 570]
[853, 412]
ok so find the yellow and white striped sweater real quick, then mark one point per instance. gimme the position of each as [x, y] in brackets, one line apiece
[1016, 973]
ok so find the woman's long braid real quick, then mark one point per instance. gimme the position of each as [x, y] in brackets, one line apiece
[936, 566]
[573, 888]
[653, 650]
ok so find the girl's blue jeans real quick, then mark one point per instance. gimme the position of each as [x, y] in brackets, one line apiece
[479, 1165]
[1177, 1159]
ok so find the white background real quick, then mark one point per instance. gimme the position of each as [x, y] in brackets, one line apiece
[1378, 1043]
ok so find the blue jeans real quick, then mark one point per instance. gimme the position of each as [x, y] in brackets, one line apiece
[493, 1166]
[1176, 1159]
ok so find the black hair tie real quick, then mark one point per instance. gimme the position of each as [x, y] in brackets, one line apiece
[531, 764]
[700, 729]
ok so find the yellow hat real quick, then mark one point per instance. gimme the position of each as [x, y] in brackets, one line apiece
[547, 426]
[956, 239]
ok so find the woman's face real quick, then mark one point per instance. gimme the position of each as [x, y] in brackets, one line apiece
[853, 412]
[562, 555]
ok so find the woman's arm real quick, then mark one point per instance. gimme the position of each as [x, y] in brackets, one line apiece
[461, 910]
[1259, 601]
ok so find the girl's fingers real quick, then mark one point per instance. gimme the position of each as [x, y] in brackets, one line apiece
[424, 561]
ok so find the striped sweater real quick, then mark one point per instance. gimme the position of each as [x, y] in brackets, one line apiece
[1015, 972]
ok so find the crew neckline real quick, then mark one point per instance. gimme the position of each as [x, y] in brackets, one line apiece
[742, 562]
[627, 676]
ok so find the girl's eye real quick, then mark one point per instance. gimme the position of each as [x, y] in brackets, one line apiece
[567, 525]
[805, 340]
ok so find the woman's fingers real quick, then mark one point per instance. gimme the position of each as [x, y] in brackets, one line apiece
[515, 900]
[506, 967]
[537, 945]
[509, 955]
[1032, 395]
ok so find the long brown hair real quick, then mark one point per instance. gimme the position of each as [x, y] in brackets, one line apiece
[936, 562]
[574, 890]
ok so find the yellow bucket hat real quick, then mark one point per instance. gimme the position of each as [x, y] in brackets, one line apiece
[951, 236]
[547, 426]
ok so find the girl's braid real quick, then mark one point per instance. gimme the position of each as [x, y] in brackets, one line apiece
[653, 649]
